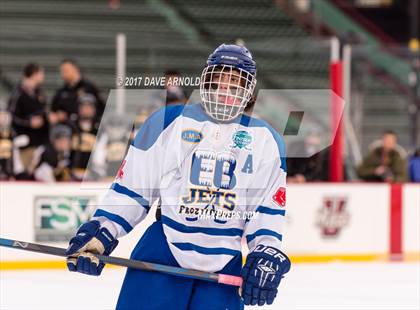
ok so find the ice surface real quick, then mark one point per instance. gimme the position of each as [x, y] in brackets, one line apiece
[349, 286]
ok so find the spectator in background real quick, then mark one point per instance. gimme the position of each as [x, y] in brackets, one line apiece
[84, 138]
[307, 162]
[174, 92]
[65, 102]
[11, 167]
[384, 163]
[27, 105]
[139, 120]
[52, 161]
[6, 146]
[414, 167]
[111, 147]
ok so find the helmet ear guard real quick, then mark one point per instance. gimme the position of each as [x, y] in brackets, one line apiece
[228, 82]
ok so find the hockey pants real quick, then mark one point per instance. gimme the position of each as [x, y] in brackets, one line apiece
[148, 290]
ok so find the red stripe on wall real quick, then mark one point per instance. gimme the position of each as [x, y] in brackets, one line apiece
[336, 151]
[395, 246]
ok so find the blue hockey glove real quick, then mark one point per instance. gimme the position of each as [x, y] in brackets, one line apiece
[90, 238]
[261, 274]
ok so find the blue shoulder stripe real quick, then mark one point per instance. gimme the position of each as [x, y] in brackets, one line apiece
[115, 218]
[263, 232]
[128, 192]
[161, 119]
[265, 210]
[197, 113]
[249, 121]
[185, 246]
[155, 125]
[205, 230]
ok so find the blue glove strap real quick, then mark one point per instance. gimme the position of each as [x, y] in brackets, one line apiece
[108, 240]
[84, 234]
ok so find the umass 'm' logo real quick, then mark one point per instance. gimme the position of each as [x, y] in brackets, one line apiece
[333, 216]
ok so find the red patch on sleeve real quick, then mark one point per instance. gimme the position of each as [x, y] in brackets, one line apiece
[280, 197]
[120, 172]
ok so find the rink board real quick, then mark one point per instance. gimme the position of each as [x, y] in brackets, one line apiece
[411, 221]
[353, 222]
[20, 216]
[337, 220]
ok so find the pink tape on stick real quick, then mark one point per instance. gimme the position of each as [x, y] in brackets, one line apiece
[230, 280]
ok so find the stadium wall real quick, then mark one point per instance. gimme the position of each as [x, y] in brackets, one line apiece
[324, 222]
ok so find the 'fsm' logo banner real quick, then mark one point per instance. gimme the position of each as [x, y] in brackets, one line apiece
[58, 217]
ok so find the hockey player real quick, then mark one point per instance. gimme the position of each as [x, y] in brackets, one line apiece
[209, 164]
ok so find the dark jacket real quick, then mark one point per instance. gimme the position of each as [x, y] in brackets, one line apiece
[313, 168]
[60, 164]
[6, 155]
[83, 143]
[396, 166]
[66, 98]
[23, 105]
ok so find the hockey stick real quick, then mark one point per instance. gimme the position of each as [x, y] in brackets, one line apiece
[177, 271]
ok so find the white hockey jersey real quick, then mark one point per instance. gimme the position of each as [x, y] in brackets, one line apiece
[216, 181]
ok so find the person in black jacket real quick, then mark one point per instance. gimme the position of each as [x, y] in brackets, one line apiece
[84, 135]
[309, 162]
[65, 102]
[6, 146]
[53, 161]
[27, 105]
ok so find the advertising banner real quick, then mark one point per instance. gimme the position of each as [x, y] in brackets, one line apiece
[58, 217]
[337, 219]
